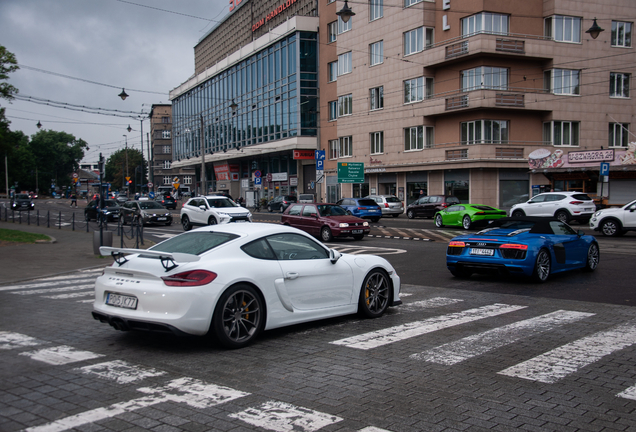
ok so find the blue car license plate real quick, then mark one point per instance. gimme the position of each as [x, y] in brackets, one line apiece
[483, 252]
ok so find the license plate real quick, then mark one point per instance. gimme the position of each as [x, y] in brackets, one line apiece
[587, 209]
[357, 232]
[485, 252]
[162, 218]
[122, 301]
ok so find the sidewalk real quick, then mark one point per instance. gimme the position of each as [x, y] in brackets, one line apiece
[70, 251]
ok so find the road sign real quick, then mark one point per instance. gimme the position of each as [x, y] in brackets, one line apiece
[75, 175]
[257, 174]
[350, 172]
[320, 164]
[127, 179]
[605, 167]
[320, 154]
[150, 185]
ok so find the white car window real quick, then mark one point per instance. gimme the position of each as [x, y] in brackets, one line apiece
[296, 247]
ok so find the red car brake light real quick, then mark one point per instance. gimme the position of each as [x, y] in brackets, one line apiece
[457, 244]
[513, 246]
[386, 205]
[190, 278]
[576, 202]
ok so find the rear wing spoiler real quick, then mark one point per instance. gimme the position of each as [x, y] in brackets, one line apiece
[169, 260]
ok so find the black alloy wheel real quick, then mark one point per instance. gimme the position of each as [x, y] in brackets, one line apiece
[374, 295]
[185, 222]
[239, 316]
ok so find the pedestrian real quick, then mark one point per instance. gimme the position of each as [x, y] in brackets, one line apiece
[73, 200]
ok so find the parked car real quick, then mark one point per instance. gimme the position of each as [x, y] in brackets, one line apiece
[615, 221]
[467, 216]
[122, 198]
[364, 208]
[234, 281]
[33, 195]
[389, 204]
[22, 201]
[212, 210]
[325, 221]
[280, 203]
[111, 210]
[427, 206]
[525, 246]
[565, 206]
[148, 212]
[167, 201]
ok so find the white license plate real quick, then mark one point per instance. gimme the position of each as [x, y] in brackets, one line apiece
[122, 301]
[357, 232]
[485, 252]
[162, 218]
[588, 209]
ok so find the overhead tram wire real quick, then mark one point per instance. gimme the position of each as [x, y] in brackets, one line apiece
[90, 110]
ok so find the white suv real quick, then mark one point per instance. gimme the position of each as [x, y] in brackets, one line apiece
[615, 221]
[211, 210]
[565, 206]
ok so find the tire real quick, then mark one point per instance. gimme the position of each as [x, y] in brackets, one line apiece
[461, 273]
[542, 266]
[269, 208]
[518, 213]
[358, 236]
[396, 215]
[611, 228]
[466, 222]
[563, 216]
[325, 234]
[593, 258]
[439, 221]
[239, 316]
[410, 214]
[185, 222]
[374, 294]
[212, 220]
[374, 220]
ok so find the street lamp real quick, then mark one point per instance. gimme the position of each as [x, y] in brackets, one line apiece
[39, 125]
[595, 30]
[345, 13]
[123, 95]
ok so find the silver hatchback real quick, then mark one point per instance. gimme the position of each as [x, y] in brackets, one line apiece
[390, 204]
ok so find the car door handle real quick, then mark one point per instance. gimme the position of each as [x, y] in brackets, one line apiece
[291, 275]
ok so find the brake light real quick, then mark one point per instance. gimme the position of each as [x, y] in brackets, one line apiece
[513, 246]
[190, 278]
[444, 205]
[183, 205]
[576, 202]
[386, 205]
[457, 244]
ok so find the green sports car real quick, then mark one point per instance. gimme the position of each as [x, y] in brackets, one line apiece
[467, 215]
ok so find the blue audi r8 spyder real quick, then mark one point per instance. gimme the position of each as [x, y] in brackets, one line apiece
[528, 246]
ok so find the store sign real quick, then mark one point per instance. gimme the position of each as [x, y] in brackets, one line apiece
[222, 171]
[304, 154]
[591, 156]
[445, 6]
[279, 177]
[271, 15]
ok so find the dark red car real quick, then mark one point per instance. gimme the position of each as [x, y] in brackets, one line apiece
[325, 221]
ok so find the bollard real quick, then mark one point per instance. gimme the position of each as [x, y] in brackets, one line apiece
[73, 222]
[59, 220]
[20, 218]
[38, 213]
[29, 218]
[48, 219]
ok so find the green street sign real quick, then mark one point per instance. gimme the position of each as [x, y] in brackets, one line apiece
[350, 172]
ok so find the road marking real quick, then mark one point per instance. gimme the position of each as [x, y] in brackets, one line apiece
[629, 393]
[405, 331]
[47, 284]
[60, 355]
[71, 295]
[472, 346]
[194, 393]
[283, 417]
[54, 290]
[428, 303]
[567, 359]
[120, 371]
[10, 340]
[368, 250]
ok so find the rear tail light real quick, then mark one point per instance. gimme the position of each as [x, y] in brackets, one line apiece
[576, 202]
[386, 205]
[513, 246]
[190, 278]
[457, 244]
[183, 205]
[444, 205]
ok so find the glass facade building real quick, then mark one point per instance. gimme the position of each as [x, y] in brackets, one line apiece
[269, 96]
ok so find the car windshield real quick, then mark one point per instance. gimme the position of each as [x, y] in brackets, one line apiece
[482, 207]
[194, 243]
[392, 199]
[221, 202]
[22, 196]
[367, 202]
[110, 203]
[149, 205]
[331, 210]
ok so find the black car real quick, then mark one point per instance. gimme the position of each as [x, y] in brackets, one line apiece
[427, 206]
[111, 210]
[167, 201]
[22, 201]
[149, 212]
[280, 203]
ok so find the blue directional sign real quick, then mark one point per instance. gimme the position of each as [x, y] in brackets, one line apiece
[605, 166]
[320, 154]
[320, 164]
[258, 181]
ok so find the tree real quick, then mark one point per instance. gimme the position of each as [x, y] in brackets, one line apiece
[8, 64]
[117, 169]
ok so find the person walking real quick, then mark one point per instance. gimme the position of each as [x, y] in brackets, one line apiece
[73, 200]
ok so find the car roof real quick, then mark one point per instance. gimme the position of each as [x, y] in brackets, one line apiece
[541, 224]
[254, 229]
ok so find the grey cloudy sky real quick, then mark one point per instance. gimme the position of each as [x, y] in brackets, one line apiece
[144, 46]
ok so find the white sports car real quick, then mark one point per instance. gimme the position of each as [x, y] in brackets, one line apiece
[234, 280]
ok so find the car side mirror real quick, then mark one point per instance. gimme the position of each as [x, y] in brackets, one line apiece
[202, 207]
[349, 212]
[334, 256]
[580, 233]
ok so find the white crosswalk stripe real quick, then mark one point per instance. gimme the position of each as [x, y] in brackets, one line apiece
[10, 340]
[120, 371]
[281, 416]
[60, 355]
[55, 290]
[71, 295]
[75, 280]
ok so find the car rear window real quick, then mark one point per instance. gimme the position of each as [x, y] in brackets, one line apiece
[582, 197]
[392, 199]
[367, 202]
[194, 243]
[452, 200]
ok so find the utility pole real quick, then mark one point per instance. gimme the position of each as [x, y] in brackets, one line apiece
[127, 188]
[204, 189]
[101, 199]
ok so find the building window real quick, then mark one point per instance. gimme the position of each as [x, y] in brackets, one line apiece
[376, 53]
[165, 119]
[346, 147]
[484, 77]
[619, 85]
[485, 22]
[165, 134]
[344, 26]
[375, 9]
[166, 164]
[563, 28]
[415, 89]
[621, 34]
[485, 131]
[332, 31]
[333, 110]
[344, 63]
[333, 71]
[618, 134]
[167, 180]
[187, 180]
[167, 149]
[345, 105]
[408, 3]
[377, 142]
[376, 97]
[414, 41]
[562, 81]
[334, 152]
[561, 133]
[418, 137]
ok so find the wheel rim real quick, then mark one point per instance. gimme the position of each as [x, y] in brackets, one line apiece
[562, 217]
[593, 256]
[517, 214]
[212, 221]
[326, 234]
[466, 222]
[609, 228]
[376, 292]
[409, 214]
[185, 222]
[438, 221]
[543, 265]
[241, 316]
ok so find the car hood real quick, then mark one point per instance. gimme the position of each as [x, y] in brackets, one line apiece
[234, 211]
[344, 219]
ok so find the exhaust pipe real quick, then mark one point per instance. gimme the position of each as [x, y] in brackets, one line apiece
[118, 324]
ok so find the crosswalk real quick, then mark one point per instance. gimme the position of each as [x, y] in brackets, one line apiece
[414, 233]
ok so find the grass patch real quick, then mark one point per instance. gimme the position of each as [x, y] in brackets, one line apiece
[15, 236]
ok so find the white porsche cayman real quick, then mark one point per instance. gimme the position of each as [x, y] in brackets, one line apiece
[235, 280]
